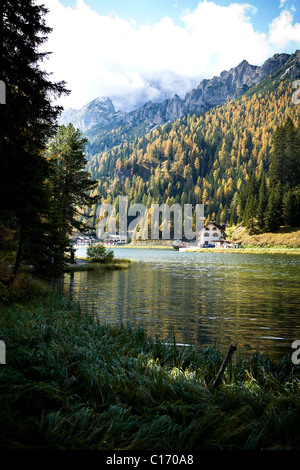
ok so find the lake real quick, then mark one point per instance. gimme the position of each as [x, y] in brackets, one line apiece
[202, 299]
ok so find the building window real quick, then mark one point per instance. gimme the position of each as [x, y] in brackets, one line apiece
[215, 234]
[206, 234]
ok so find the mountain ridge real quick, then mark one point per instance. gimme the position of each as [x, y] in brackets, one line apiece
[206, 157]
[100, 114]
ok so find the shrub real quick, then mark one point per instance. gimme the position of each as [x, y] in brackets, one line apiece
[99, 254]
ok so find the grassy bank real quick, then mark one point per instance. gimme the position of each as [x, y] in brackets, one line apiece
[284, 241]
[283, 238]
[72, 383]
[147, 246]
[249, 250]
[85, 265]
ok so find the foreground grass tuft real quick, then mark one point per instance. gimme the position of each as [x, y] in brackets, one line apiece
[72, 383]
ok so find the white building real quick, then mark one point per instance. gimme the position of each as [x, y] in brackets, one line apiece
[211, 234]
[114, 240]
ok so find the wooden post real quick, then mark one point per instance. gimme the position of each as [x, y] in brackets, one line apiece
[230, 353]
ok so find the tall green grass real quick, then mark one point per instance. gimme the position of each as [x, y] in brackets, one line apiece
[72, 383]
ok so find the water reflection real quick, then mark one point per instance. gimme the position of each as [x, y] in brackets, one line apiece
[203, 299]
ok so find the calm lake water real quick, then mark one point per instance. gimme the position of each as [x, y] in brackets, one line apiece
[204, 299]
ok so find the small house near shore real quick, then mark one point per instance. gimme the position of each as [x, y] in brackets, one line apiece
[84, 240]
[114, 240]
[211, 234]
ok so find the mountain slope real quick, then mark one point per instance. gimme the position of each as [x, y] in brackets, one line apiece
[103, 128]
[209, 93]
[206, 157]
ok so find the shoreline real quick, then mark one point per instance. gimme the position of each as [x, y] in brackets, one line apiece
[276, 249]
[158, 246]
[246, 251]
[242, 250]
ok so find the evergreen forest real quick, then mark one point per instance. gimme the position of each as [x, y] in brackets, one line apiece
[241, 160]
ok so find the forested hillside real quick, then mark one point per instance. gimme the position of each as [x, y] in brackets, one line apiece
[202, 158]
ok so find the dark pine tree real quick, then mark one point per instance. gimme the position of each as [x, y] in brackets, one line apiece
[250, 202]
[285, 163]
[284, 173]
[262, 202]
[70, 186]
[273, 215]
[27, 120]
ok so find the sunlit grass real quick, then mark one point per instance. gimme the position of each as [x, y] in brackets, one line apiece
[283, 238]
[73, 383]
[115, 264]
[281, 250]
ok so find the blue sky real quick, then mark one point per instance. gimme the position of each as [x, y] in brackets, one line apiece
[150, 11]
[137, 50]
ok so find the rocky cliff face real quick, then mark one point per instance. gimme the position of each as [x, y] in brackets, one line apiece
[98, 112]
[231, 84]
[209, 93]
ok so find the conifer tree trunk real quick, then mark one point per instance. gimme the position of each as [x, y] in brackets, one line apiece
[18, 259]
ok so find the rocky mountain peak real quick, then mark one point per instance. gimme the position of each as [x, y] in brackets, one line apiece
[98, 111]
[102, 104]
[209, 93]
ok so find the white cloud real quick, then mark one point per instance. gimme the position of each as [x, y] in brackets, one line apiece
[225, 33]
[283, 31]
[109, 56]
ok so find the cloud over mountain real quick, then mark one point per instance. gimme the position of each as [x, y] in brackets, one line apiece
[109, 56]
